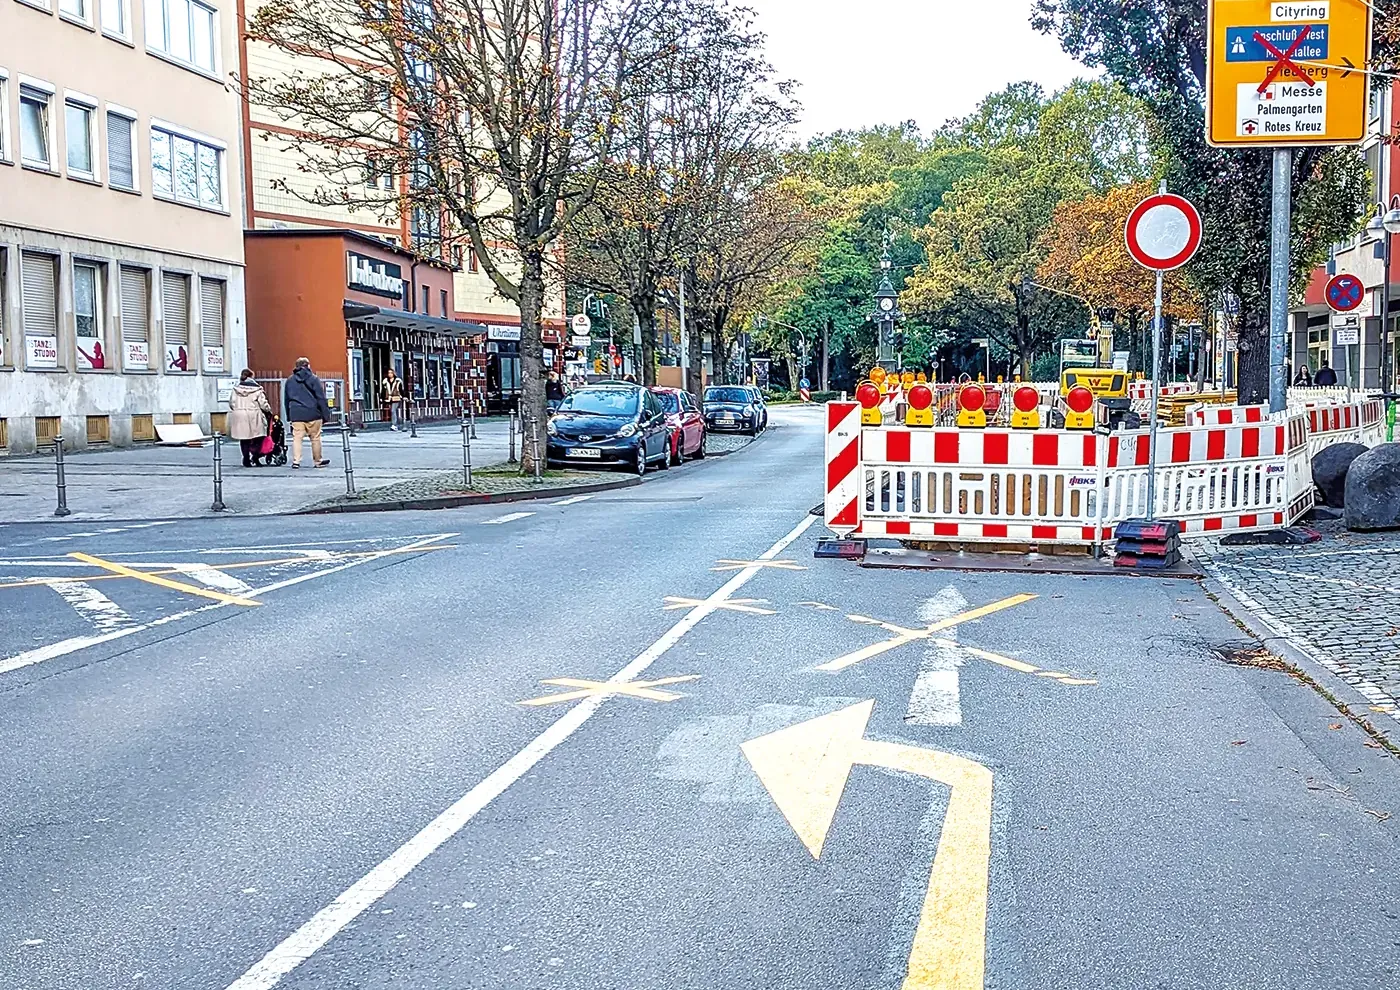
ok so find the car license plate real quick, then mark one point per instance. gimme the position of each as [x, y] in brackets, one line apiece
[725, 417]
[593, 452]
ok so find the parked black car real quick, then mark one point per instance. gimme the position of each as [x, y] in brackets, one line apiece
[731, 407]
[610, 424]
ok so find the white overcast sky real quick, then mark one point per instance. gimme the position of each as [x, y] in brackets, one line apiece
[862, 62]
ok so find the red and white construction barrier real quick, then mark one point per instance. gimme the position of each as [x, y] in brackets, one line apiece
[843, 429]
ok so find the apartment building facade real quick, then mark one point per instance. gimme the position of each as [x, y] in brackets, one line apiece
[281, 194]
[121, 248]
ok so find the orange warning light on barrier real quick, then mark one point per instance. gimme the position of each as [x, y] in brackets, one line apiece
[919, 412]
[868, 395]
[1026, 412]
[1079, 409]
[972, 398]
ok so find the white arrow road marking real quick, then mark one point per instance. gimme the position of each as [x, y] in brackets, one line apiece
[211, 577]
[104, 614]
[508, 517]
[573, 500]
[936, 699]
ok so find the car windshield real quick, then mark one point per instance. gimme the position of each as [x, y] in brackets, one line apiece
[602, 401]
[727, 395]
[668, 401]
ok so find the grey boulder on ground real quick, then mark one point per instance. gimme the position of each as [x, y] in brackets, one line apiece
[1373, 489]
[1329, 470]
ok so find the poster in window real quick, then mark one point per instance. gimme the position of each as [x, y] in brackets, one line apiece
[419, 376]
[136, 356]
[214, 359]
[357, 375]
[91, 355]
[434, 386]
[177, 357]
[42, 352]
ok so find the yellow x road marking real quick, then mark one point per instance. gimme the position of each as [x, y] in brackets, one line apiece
[674, 602]
[739, 565]
[903, 635]
[588, 689]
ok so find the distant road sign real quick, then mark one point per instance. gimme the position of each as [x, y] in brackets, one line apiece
[1163, 232]
[1287, 72]
[804, 383]
[1345, 292]
[581, 324]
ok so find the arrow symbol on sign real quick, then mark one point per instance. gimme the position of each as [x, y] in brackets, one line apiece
[1350, 65]
[805, 767]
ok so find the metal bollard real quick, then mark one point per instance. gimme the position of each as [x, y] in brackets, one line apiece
[218, 505]
[62, 509]
[510, 435]
[466, 453]
[345, 450]
[471, 411]
[412, 423]
[535, 447]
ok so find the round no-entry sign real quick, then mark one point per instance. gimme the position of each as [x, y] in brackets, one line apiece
[1344, 292]
[1163, 232]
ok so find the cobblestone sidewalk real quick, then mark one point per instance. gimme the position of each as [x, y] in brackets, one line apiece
[1337, 600]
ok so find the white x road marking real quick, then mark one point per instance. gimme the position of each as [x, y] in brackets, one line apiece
[674, 602]
[935, 698]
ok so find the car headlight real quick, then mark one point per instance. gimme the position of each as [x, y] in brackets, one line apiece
[627, 430]
[551, 429]
[748, 410]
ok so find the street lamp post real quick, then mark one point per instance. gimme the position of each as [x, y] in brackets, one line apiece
[1383, 224]
[889, 353]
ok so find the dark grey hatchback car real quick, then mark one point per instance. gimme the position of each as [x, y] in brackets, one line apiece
[610, 423]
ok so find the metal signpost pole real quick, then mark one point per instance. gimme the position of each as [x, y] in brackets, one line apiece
[62, 509]
[466, 453]
[218, 505]
[510, 436]
[684, 338]
[1152, 423]
[1278, 278]
[345, 452]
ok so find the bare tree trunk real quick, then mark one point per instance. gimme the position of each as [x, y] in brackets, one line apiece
[695, 370]
[532, 378]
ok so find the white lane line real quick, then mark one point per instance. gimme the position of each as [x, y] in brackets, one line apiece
[572, 500]
[302, 944]
[936, 698]
[104, 614]
[508, 517]
[75, 643]
[211, 577]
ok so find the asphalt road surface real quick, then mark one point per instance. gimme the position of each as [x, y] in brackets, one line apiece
[645, 740]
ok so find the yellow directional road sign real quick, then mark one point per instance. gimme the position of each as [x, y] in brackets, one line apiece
[804, 768]
[1287, 72]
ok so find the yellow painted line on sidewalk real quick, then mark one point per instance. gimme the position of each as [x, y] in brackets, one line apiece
[188, 589]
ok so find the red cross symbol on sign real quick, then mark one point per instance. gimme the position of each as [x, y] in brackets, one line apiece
[1284, 58]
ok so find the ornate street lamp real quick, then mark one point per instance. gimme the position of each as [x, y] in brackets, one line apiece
[889, 353]
[1383, 224]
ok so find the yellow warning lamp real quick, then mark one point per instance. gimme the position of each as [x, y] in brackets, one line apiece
[981, 377]
[920, 411]
[998, 379]
[907, 378]
[1025, 412]
[868, 395]
[921, 377]
[877, 375]
[972, 412]
[1079, 409]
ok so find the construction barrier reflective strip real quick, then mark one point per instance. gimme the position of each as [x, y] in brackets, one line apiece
[841, 509]
[1212, 415]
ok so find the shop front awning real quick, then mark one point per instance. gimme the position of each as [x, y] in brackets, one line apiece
[400, 319]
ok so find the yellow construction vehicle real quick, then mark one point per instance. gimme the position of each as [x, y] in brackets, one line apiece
[1080, 367]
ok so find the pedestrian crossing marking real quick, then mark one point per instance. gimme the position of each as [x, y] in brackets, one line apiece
[105, 614]
[645, 690]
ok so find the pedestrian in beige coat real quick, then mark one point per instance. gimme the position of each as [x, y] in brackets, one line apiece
[248, 416]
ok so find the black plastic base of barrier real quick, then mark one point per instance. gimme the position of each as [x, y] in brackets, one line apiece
[1147, 563]
[842, 549]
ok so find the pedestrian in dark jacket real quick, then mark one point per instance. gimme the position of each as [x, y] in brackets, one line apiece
[1325, 375]
[305, 399]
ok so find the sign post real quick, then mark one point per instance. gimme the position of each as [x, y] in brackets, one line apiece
[1162, 233]
[1344, 294]
[1284, 74]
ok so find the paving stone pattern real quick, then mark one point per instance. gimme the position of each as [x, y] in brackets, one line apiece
[1337, 599]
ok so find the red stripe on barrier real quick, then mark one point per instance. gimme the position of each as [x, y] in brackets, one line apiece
[945, 448]
[1043, 532]
[1181, 448]
[897, 528]
[1087, 533]
[996, 448]
[842, 464]
[1045, 450]
[1248, 521]
[1279, 445]
[1143, 450]
[1215, 445]
[847, 516]
[945, 529]
[1278, 518]
[990, 530]
[1249, 442]
[1215, 522]
[897, 447]
[837, 411]
[1091, 450]
[1112, 451]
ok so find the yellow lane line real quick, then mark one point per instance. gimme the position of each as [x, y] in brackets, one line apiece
[188, 589]
[980, 611]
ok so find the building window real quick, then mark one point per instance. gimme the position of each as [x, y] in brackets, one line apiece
[442, 297]
[473, 265]
[88, 296]
[175, 308]
[4, 116]
[211, 324]
[34, 126]
[116, 18]
[5, 359]
[39, 308]
[378, 174]
[184, 30]
[121, 151]
[77, 136]
[75, 10]
[426, 297]
[186, 170]
[136, 319]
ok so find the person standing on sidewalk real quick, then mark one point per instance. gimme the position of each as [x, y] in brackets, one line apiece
[248, 417]
[305, 399]
[392, 391]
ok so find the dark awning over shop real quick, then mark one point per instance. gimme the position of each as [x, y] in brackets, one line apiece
[402, 320]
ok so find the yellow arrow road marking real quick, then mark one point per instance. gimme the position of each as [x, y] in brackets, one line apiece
[632, 689]
[805, 768]
[188, 589]
[674, 602]
[903, 635]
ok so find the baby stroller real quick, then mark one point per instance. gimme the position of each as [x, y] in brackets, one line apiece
[278, 434]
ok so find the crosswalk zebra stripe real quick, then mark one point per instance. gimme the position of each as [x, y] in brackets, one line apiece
[104, 614]
[211, 577]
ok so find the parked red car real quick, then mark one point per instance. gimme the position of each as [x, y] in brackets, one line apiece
[684, 419]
